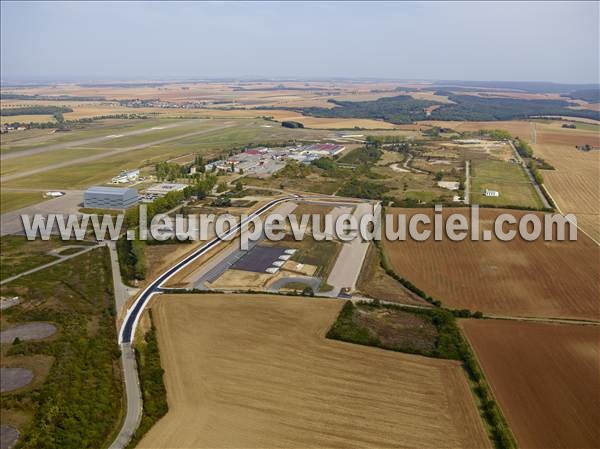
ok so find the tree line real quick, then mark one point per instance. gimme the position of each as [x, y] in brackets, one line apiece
[34, 110]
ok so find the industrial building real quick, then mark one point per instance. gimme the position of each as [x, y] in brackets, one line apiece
[98, 197]
[164, 188]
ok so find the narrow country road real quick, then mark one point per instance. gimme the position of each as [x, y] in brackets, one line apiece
[129, 325]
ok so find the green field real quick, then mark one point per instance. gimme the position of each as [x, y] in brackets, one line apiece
[240, 133]
[17, 254]
[35, 161]
[10, 200]
[509, 179]
[35, 138]
[408, 185]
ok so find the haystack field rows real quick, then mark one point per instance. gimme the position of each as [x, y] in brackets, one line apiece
[251, 372]
[539, 278]
[546, 378]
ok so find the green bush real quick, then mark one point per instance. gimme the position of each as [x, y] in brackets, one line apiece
[291, 124]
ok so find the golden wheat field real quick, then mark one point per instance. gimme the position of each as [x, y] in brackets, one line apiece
[249, 371]
[575, 182]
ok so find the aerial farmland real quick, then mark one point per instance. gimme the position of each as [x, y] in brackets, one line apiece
[299, 225]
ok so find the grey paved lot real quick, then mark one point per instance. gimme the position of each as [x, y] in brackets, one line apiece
[29, 331]
[10, 222]
[8, 437]
[14, 378]
[259, 259]
[344, 273]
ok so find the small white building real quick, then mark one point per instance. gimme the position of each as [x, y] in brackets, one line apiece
[126, 176]
[494, 193]
[53, 194]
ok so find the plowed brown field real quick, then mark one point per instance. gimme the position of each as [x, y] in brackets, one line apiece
[257, 372]
[575, 184]
[546, 378]
[539, 278]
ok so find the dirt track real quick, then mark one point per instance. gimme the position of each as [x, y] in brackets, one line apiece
[546, 378]
[251, 371]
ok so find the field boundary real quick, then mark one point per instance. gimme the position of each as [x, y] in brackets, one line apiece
[453, 336]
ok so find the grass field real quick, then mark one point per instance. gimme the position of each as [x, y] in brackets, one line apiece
[539, 278]
[35, 138]
[507, 178]
[11, 200]
[42, 160]
[227, 355]
[17, 254]
[545, 377]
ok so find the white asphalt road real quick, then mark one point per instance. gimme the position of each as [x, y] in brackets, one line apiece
[346, 270]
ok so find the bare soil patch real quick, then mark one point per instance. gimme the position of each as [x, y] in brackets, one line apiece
[8, 437]
[29, 331]
[14, 378]
[546, 378]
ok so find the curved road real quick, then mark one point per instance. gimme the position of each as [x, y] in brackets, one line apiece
[127, 330]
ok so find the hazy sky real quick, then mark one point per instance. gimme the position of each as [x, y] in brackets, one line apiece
[542, 41]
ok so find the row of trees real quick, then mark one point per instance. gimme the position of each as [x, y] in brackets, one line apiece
[523, 148]
[33, 110]
[67, 124]
[154, 392]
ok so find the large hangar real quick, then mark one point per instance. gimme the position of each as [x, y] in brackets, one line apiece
[99, 197]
